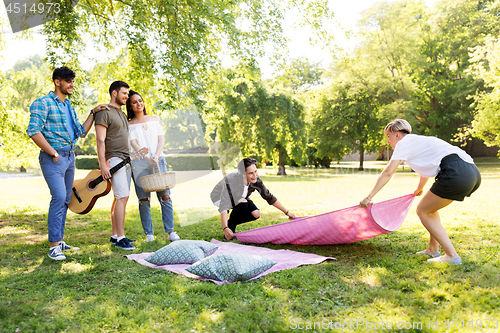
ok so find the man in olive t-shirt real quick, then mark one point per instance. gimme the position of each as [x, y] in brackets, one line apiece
[112, 148]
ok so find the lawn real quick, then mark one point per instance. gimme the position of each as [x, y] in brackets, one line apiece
[376, 284]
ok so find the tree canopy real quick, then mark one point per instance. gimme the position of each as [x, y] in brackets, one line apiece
[436, 67]
[346, 121]
[268, 125]
[486, 66]
[173, 42]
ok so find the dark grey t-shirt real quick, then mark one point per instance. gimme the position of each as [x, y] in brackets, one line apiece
[116, 140]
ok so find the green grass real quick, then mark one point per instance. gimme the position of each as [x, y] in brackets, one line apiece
[375, 281]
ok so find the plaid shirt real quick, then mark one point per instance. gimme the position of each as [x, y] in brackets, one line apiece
[47, 117]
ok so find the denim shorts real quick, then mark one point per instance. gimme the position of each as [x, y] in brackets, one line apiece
[456, 179]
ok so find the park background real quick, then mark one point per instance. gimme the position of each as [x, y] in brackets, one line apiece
[236, 68]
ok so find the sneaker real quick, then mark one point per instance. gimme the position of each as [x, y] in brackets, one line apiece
[454, 261]
[66, 247]
[56, 254]
[150, 238]
[124, 244]
[173, 236]
[430, 254]
[113, 240]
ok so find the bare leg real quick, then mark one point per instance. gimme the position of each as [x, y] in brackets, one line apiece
[118, 216]
[427, 211]
[113, 223]
[433, 243]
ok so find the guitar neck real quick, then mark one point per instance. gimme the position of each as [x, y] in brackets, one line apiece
[114, 169]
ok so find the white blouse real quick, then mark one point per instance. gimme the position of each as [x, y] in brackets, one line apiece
[146, 134]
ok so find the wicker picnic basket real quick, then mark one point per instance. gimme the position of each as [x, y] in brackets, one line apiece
[158, 181]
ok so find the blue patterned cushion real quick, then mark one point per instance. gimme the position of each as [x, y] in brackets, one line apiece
[231, 267]
[182, 252]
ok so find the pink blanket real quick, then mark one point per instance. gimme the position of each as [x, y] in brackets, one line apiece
[285, 259]
[339, 227]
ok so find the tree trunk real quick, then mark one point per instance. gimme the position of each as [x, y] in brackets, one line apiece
[381, 154]
[281, 163]
[361, 157]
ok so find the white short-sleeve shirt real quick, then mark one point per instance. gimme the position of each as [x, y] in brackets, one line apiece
[424, 153]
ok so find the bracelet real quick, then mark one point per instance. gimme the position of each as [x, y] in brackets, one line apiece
[286, 213]
[224, 228]
[92, 113]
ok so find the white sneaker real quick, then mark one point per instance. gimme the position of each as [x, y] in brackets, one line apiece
[150, 238]
[173, 236]
[56, 254]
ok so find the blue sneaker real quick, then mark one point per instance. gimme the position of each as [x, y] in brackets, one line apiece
[66, 247]
[113, 240]
[56, 254]
[124, 244]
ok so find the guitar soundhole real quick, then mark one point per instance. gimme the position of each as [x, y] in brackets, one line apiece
[90, 187]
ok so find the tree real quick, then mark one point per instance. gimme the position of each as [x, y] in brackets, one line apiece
[485, 65]
[444, 87]
[381, 63]
[16, 148]
[298, 76]
[346, 121]
[300, 79]
[33, 61]
[29, 78]
[265, 125]
[18, 90]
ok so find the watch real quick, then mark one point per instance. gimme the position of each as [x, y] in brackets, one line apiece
[92, 113]
[56, 154]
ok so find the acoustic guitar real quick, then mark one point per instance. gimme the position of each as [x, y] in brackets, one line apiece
[86, 191]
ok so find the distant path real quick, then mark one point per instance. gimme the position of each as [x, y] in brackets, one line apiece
[8, 175]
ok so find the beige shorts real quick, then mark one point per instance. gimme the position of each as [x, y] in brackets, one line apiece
[120, 180]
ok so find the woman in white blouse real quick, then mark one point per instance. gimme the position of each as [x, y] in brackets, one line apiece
[455, 173]
[147, 131]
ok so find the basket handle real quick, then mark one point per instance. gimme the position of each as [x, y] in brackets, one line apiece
[158, 166]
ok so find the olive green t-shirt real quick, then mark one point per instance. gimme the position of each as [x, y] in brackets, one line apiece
[116, 140]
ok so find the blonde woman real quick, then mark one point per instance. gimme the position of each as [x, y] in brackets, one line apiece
[455, 173]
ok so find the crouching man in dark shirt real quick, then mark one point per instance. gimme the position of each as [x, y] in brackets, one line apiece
[233, 192]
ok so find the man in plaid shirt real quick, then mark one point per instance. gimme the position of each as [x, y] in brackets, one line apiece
[54, 127]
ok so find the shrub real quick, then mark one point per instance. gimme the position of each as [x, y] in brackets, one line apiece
[190, 162]
[87, 162]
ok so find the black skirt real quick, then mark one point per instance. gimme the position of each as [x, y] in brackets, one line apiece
[456, 179]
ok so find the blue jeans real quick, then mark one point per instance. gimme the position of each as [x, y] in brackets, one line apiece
[59, 177]
[142, 168]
